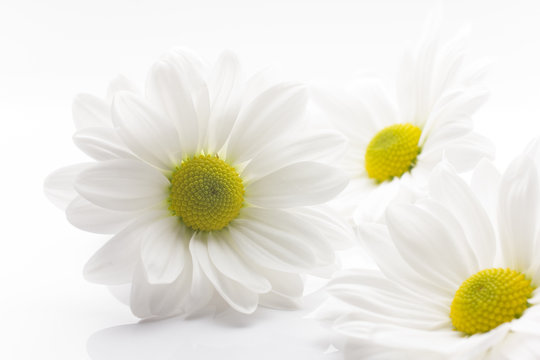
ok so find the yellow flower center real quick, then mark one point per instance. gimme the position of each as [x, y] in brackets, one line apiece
[206, 193]
[489, 298]
[392, 151]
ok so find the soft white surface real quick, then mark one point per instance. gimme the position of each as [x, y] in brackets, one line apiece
[51, 50]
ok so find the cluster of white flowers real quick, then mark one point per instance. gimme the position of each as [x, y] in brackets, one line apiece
[219, 192]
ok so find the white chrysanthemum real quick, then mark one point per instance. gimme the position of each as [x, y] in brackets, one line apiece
[455, 281]
[207, 186]
[394, 143]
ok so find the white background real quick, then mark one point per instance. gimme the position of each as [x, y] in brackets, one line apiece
[51, 50]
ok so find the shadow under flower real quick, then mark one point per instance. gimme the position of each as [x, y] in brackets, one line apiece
[266, 334]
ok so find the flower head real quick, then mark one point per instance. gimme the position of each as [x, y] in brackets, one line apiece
[208, 187]
[396, 142]
[457, 280]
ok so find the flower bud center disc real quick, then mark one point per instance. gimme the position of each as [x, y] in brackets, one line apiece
[488, 299]
[206, 193]
[392, 151]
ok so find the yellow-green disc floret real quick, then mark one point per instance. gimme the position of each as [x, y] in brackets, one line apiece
[488, 299]
[206, 193]
[392, 151]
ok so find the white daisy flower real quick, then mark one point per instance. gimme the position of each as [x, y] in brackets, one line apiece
[208, 187]
[397, 142]
[454, 282]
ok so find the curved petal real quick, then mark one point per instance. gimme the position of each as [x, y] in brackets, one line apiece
[145, 132]
[101, 143]
[272, 248]
[89, 217]
[59, 185]
[169, 89]
[114, 263]
[449, 189]
[90, 111]
[432, 243]
[161, 300]
[223, 86]
[314, 147]
[376, 239]
[518, 213]
[485, 182]
[289, 228]
[236, 295]
[125, 185]
[228, 261]
[164, 249]
[120, 83]
[271, 114]
[299, 184]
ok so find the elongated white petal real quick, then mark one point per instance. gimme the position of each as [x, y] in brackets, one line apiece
[227, 260]
[164, 250]
[90, 111]
[518, 213]
[115, 262]
[291, 228]
[235, 294]
[272, 247]
[90, 217]
[145, 132]
[169, 89]
[318, 146]
[434, 245]
[270, 115]
[298, 184]
[125, 185]
[485, 181]
[224, 89]
[161, 300]
[376, 239]
[377, 299]
[120, 83]
[59, 185]
[101, 143]
[449, 189]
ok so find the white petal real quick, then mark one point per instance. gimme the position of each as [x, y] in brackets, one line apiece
[449, 189]
[228, 261]
[89, 217]
[432, 243]
[223, 85]
[161, 300]
[271, 247]
[270, 115]
[315, 147]
[145, 132]
[349, 113]
[127, 185]
[115, 262]
[533, 150]
[101, 143]
[332, 227]
[377, 299]
[290, 228]
[236, 295]
[485, 181]
[90, 111]
[299, 184]
[376, 239]
[518, 213]
[169, 89]
[453, 107]
[163, 250]
[120, 83]
[59, 185]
